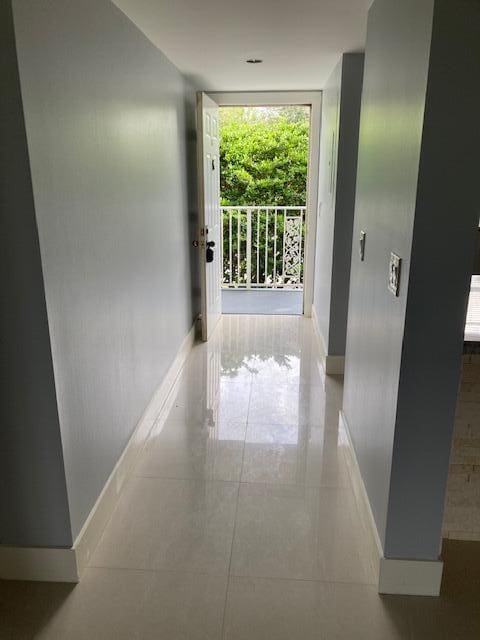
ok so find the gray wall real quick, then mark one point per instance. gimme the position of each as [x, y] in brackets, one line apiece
[348, 132]
[338, 171]
[415, 196]
[33, 497]
[444, 243]
[108, 119]
[394, 89]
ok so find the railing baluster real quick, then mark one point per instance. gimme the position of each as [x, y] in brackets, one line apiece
[300, 266]
[230, 247]
[240, 271]
[275, 250]
[266, 249]
[249, 249]
[283, 250]
[239, 228]
[221, 247]
[258, 246]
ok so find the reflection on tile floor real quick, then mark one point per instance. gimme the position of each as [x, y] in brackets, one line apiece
[239, 520]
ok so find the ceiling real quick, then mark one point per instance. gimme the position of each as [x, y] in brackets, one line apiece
[209, 40]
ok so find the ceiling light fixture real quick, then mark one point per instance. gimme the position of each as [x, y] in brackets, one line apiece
[254, 61]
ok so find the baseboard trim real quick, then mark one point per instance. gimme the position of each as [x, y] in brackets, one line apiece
[395, 576]
[359, 489]
[410, 577]
[67, 564]
[38, 564]
[316, 330]
[334, 365]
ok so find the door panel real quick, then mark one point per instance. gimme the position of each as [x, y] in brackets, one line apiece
[210, 222]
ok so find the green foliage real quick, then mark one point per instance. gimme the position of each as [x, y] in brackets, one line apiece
[263, 160]
[263, 155]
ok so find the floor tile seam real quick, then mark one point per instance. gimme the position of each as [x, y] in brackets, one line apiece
[262, 372]
[254, 351]
[234, 526]
[314, 425]
[354, 583]
[331, 422]
[126, 486]
[173, 388]
[159, 570]
[246, 422]
[305, 485]
[304, 430]
[129, 476]
[197, 480]
[291, 382]
[231, 547]
[299, 485]
[195, 423]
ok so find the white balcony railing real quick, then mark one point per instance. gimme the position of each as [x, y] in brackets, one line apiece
[263, 247]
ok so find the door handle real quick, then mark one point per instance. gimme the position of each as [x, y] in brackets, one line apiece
[210, 243]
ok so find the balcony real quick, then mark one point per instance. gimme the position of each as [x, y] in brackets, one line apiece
[262, 256]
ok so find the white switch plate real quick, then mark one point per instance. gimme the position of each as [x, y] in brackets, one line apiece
[363, 237]
[394, 273]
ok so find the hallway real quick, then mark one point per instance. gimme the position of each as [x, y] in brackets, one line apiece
[240, 519]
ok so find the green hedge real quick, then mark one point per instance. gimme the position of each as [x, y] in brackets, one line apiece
[263, 155]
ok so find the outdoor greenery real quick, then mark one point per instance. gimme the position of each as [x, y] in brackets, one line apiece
[263, 155]
[263, 160]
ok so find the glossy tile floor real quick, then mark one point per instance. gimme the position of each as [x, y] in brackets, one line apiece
[239, 521]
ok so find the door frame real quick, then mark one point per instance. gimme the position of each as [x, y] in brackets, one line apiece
[312, 99]
[202, 237]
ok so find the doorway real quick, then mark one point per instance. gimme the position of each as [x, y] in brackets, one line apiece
[267, 178]
[263, 193]
[260, 247]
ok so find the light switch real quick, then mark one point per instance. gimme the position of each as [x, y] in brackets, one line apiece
[363, 237]
[394, 273]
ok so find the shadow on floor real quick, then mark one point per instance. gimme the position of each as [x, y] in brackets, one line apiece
[26, 607]
[455, 615]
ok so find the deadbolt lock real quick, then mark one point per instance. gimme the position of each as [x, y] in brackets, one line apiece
[209, 255]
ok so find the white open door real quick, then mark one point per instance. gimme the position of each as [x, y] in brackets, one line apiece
[209, 241]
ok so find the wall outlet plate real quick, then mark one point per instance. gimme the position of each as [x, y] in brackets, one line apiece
[394, 273]
[363, 237]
